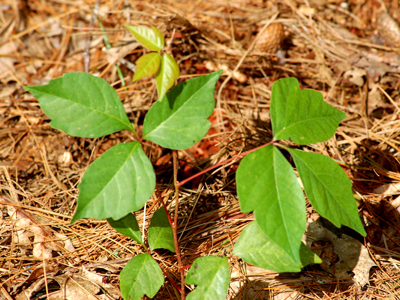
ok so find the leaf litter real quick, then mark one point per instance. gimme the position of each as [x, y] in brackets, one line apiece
[338, 48]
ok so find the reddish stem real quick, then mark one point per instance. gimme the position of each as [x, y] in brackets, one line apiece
[172, 281]
[165, 207]
[172, 225]
[175, 225]
[181, 183]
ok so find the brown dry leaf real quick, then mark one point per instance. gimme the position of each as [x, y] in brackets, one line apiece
[363, 267]
[7, 61]
[307, 11]
[396, 202]
[286, 295]
[241, 290]
[388, 189]
[8, 90]
[25, 226]
[375, 99]
[242, 78]
[71, 288]
[115, 54]
[36, 276]
[356, 76]
[389, 30]
[33, 289]
[347, 256]
[377, 64]
[324, 74]
[77, 286]
[95, 278]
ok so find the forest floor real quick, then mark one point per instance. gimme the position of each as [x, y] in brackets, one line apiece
[347, 50]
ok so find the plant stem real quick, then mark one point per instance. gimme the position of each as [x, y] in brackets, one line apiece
[172, 281]
[175, 227]
[222, 163]
[171, 223]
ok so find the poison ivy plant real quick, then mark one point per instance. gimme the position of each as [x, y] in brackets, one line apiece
[141, 276]
[328, 188]
[125, 175]
[127, 226]
[166, 75]
[147, 65]
[160, 232]
[254, 247]
[181, 120]
[267, 184]
[122, 179]
[150, 38]
[211, 275]
[301, 115]
[82, 105]
[163, 66]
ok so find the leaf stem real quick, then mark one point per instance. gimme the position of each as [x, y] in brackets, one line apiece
[165, 207]
[175, 225]
[181, 183]
[173, 282]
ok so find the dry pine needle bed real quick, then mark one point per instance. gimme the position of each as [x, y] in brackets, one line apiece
[347, 50]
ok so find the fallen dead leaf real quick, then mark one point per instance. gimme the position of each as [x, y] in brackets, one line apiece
[24, 226]
[356, 76]
[388, 189]
[346, 259]
[242, 78]
[73, 286]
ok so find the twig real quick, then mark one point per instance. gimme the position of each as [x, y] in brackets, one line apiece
[175, 227]
[86, 53]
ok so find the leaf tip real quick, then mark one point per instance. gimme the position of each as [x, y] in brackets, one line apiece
[27, 87]
[74, 219]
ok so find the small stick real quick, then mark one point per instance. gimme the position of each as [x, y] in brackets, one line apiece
[86, 53]
[175, 227]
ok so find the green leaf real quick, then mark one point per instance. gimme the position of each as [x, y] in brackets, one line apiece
[160, 232]
[147, 65]
[166, 75]
[117, 183]
[82, 105]
[301, 116]
[211, 275]
[328, 188]
[142, 275]
[127, 226]
[267, 184]
[150, 38]
[181, 120]
[254, 247]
